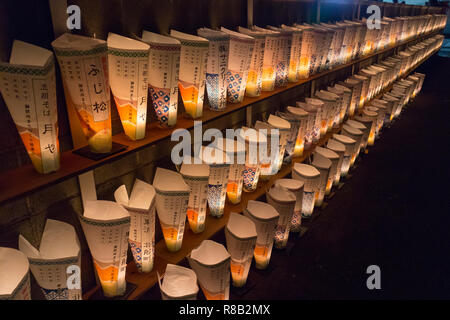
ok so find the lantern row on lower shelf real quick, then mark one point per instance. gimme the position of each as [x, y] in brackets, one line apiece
[227, 63]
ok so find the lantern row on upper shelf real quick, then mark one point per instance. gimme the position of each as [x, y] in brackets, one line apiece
[227, 63]
[360, 106]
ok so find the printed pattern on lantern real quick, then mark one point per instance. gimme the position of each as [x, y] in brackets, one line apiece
[308, 203]
[250, 178]
[212, 87]
[281, 73]
[216, 199]
[234, 86]
[161, 103]
[296, 221]
[280, 233]
[137, 253]
[56, 294]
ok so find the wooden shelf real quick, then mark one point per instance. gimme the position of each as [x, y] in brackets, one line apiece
[25, 180]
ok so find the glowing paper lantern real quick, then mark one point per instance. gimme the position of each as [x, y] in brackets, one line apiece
[29, 90]
[270, 58]
[217, 67]
[106, 226]
[193, 62]
[356, 135]
[254, 80]
[372, 116]
[268, 160]
[331, 106]
[241, 51]
[219, 169]
[307, 48]
[172, 198]
[334, 158]
[14, 275]
[392, 105]
[196, 177]
[141, 207]
[294, 57]
[284, 53]
[284, 128]
[58, 253]
[364, 89]
[240, 234]
[314, 123]
[178, 283]
[211, 263]
[310, 177]
[356, 86]
[235, 151]
[350, 145]
[253, 139]
[373, 77]
[380, 116]
[322, 112]
[164, 63]
[339, 149]
[363, 125]
[128, 77]
[303, 118]
[296, 187]
[265, 218]
[323, 165]
[346, 95]
[335, 47]
[84, 69]
[421, 76]
[283, 201]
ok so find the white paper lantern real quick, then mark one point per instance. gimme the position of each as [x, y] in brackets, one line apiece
[296, 187]
[356, 135]
[14, 275]
[350, 145]
[334, 158]
[179, 283]
[270, 58]
[253, 139]
[310, 177]
[363, 124]
[339, 149]
[322, 164]
[312, 134]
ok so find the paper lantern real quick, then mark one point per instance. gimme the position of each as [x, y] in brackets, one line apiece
[58, 251]
[356, 86]
[346, 95]
[29, 90]
[383, 113]
[106, 226]
[191, 80]
[196, 177]
[372, 116]
[172, 199]
[179, 283]
[363, 124]
[14, 275]
[164, 63]
[296, 187]
[421, 76]
[314, 123]
[241, 51]
[339, 149]
[364, 89]
[335, 47]
[308, 46]
[323, 165]
[373, 77]
[327, 36]
[392, 105]
[284, 56]
[310, 177]
[350, 145]
[334, 159]
[211, 263]
[253, 140]
[84, 68]
[254, 79]
[295, 52]
[240, 234]
[302, 119]
[320, 38]
[128, 77]
[322, 113]
[265, 218]
[235, 151]
[268, 160]
[356, 135]
[331, 104]
[283, 201]
[284, 128]
[380, 116]
[270, 58]
[217, 67]
[141, 207]
[219, 169]
[347, 42]
[416, 81]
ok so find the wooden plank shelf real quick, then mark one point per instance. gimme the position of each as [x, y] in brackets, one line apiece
[25, 180]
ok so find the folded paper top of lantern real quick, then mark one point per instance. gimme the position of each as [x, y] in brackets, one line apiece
[229, 146]
[305, 170]
[213, 35]
[379, 102]
[26, 54]
[169, 181]
[290, 28]
[155, 40]
[351, 130]
[252, 33]
[104, 210]
[389, 97]
[342, 88]
[193, 170]
[297, 112]
[178, 282]
[213, 156]
[307, 107]
[281, 194]
[278, 123]
[237, 35]
[363, 120]
[343, 139]
[252, 136]
[14, 266]
[290, 184]
[241, 226]
[186, 38]
[356, 124]
[370, 114]
[71, 41]
[210, 253]
[120, 42]
[59, 240]
[270, 32]
[314, 102]
[335, 145]
[282, 31]
[261, 210]
[141, 198]
[370, 109]
[330, 154]
[321, 161]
